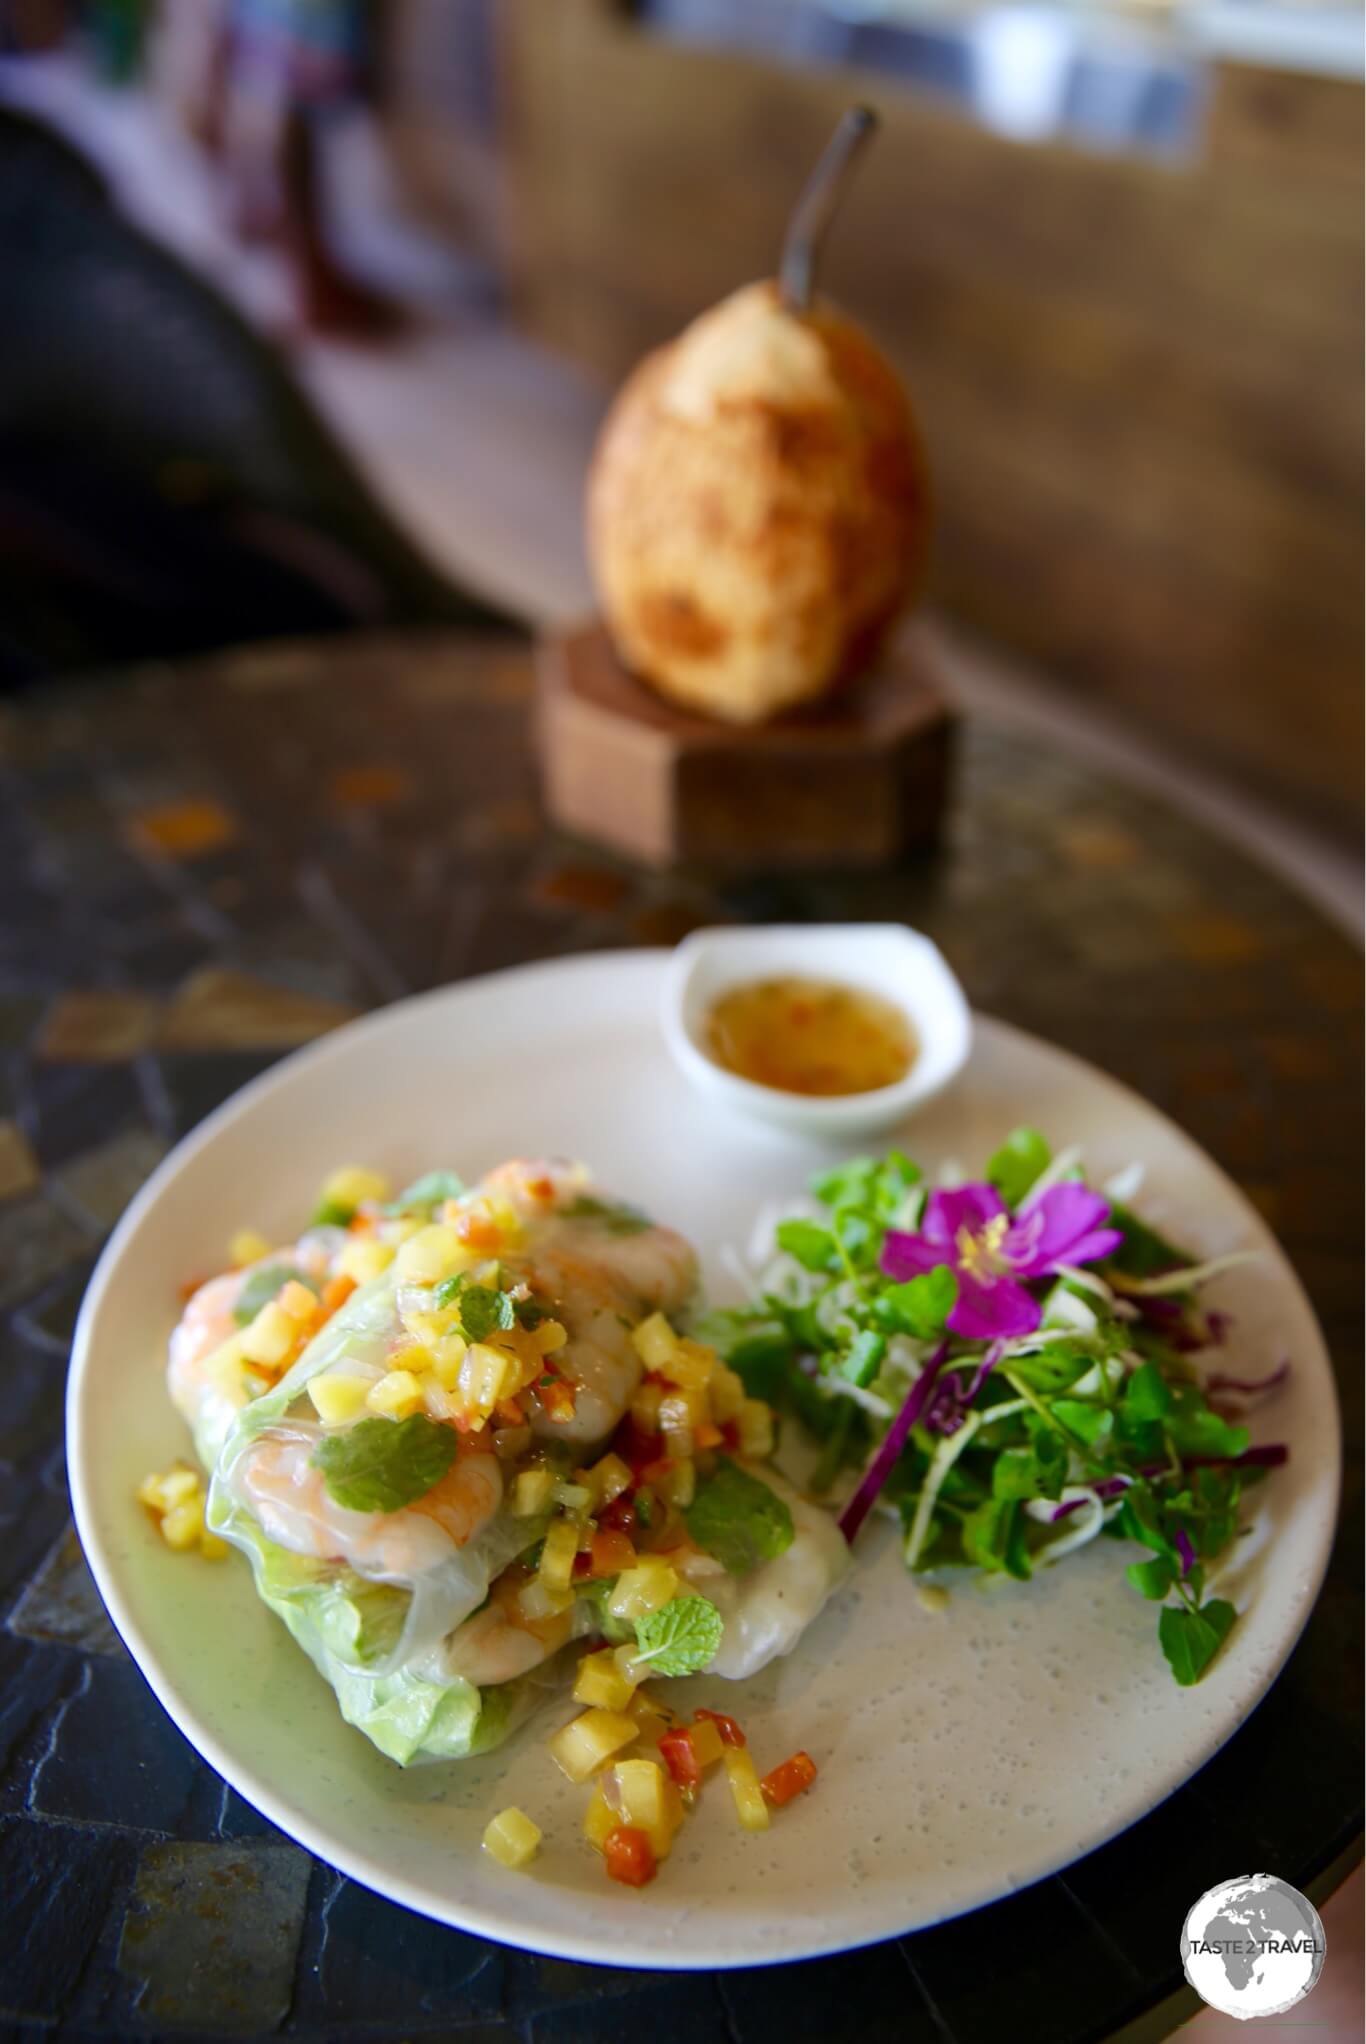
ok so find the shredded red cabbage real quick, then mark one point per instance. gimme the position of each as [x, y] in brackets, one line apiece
[880, 1468]
[1250, 1387]
[1185, 1550]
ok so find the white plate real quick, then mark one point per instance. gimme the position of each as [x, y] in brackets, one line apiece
[962, 1755]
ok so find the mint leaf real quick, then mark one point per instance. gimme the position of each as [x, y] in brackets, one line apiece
[595, 1591]
[427, 1193]
[331, 1213]
[264, 1285]
[681, 1637]
[1152, 1578]
[380, 1465]
[919, 1306]
[1191, 1639]
[1023, 1157]
[483, 1311]
[615, 1216]
[738, 1519]
[808, 1243]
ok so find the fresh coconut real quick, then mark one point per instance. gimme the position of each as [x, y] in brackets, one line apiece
[757, 508]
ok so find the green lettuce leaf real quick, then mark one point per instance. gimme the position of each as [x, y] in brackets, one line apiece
[1022, 1158]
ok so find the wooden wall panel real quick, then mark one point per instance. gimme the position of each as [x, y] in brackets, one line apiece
[1140, 381]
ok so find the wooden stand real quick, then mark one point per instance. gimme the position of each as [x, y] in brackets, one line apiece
[854, 782]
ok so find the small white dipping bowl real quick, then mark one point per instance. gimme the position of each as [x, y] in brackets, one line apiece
[877, 958]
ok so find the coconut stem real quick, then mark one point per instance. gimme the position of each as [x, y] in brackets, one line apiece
[816, 208]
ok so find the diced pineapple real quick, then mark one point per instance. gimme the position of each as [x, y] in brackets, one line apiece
[557, 1556]
[482, 1376]
[692, 1365]
[183, 1526]
[678, 1485]
[398, 1394]
[652, 1717]
[532, 1493]
[298, 1302]
[364, 1259]
[574, 1498]
[439, 1403]
[655, 1342]
[643, 1589]
[706, 1742]
[512, 1838]
[352, 1186]
[248, 1245]
[535, 1601]
[211, 1547]
[606, 1480]
[727, 1393]
[590, 1741]
[598, 1819]
[447, 1355]
[429, 1256]
[750, 1806]
[337, 1398]
[549, 1336]
[642, 1789]
[224, 1368]
[270, 1337]
[602, 1680]
[177, 1486]
[756, 1429]
[645, 1404]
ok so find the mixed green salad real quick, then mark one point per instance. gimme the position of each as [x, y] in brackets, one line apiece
[1013, 1367]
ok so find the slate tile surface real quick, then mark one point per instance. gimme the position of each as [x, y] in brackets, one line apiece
[156, 860]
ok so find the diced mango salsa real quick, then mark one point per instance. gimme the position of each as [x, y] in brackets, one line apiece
[364, 1260]
[271, 1337]
[397, 1394]
[512, 1838]
[533, 1493]
[338, 1398]
[353, 1186]
[429, 1256]
[248, 1245]
[589, 1742]
[750, 1806]
[603, 1681]
[642, 1589]
[176, 1501]
[557, 1556]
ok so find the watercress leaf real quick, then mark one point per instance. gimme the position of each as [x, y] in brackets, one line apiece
[1050, 1459]
[864, 1357]
[919, 1306]
[994, 1538]
[738, 1519]
[1015, 1474]
[484, 1311]
[1191, 1639]
[1022, 1157]
[380, 1465]
[1147, 1395]
[1196, 1430]
[808, 1244]
[1092, 1424]
[681, 1638]
[1153, 1578]
[262, 1286]
[849, 1184]
[1140, 1515]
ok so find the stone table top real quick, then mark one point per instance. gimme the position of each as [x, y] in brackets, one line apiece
[205, 866]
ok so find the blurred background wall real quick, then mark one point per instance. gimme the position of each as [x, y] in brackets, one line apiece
[1136, 352]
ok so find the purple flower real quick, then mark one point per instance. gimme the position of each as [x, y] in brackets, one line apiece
[993, 1254]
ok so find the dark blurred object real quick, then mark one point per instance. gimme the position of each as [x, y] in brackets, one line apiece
[164, 484]
[27, 26]
[1139, 379]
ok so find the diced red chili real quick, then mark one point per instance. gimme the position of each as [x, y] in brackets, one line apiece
[635, 1447]
[654, 1472]
[788, 1779]
[731, 1735]
[707, 1435]
[611, 1553]
[620, 1515]
[676, 1751]
[730, 1435]
[629, 1855]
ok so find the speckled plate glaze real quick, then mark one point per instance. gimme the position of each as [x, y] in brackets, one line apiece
[962, 1754]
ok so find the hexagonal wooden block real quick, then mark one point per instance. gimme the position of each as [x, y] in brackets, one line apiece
[853, 782]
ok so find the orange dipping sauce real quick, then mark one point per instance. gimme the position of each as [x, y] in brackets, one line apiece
[811, 1036]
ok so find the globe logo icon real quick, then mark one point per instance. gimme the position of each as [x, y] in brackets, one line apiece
[1253, 1946]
